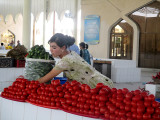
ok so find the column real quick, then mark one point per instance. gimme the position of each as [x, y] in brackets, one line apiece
[26, 37]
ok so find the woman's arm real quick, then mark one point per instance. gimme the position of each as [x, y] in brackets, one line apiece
[50, 75]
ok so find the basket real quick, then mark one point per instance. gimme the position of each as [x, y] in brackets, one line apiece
[20, 63]
[6, 62]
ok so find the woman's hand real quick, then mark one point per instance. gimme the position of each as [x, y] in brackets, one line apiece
[49, 76]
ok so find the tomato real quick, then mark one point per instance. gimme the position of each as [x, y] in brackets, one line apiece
[69, 101]
[129, 114]
[151, 97]
[137, 92]
[127, 108]
[125, 90]
[134, 109]
[134, 103]
[103, 109]
[157, 110]
[140, 109]
[83, 87]
[101, 104]
[56, 82]
[99, 85]
[103, 91]
[74, 82]
[119, 91]
[103, 98]
[155, 104]
[112, 109]
[150, 110]
[122, 113]
[129, 95]
[146, 116]
[137, 97]
[120, 97]
[74, 97]
[134, 115]
[86, 106]
[97, 113]
[87, 89]
[107, 115]
[94, 91]
[112, 116]
[156, 116]
[147, 103]
[76, 87]
[59, 88]
[114, 90]
[92, 106]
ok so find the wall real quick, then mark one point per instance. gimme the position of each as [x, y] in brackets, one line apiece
[14, 25]
[110, 12]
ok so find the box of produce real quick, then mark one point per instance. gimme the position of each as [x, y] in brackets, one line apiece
[20, 63]
[38, 63]
[6, 62]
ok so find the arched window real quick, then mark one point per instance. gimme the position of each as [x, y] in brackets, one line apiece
[148, 20]
[121, 41]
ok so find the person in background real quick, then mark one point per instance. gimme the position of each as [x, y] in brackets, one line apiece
[2, 47]
[18, 43]
[84, 53]
[74, 47]
[74, 66]
[11, 44]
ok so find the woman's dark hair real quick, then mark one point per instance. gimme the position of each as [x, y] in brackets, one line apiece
[83, 45]
[62, 40]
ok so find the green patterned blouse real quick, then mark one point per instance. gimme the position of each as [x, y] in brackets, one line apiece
[76, 68]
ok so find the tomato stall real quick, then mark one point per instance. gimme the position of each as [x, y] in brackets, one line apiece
[36, 101]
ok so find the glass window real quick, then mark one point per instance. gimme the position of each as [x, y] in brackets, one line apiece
[121, 41]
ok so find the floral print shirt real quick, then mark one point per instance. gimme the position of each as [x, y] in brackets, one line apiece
[76, 68]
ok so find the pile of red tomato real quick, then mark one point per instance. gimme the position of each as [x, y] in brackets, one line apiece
[74, 97]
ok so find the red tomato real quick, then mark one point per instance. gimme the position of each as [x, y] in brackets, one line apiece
[125, 90]
[156, 116]
[147, 103]
[137, 97]
[56, 82]
[140, 109]
[99, 85]
[150, 110]
[94, 91]
[128, 108]
[112, 116]
[114, 90]
[157, 110]
[74, 82]
[122, 113]
[103, 98]
[129, 95]
[151, 97]
[87, 89]
[137, 92]
[146, 116]
[140, 116]
[155, 104]
[119, 91]
[107, 115]
[59, 88]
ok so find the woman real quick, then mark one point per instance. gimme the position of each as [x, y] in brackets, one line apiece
[75, 67]
[84, 53]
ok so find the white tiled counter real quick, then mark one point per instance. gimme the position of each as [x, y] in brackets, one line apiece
[123, 70]
[8, 75]
[12, 110]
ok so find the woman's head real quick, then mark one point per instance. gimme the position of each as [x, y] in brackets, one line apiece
[83, 45]
[59, 43]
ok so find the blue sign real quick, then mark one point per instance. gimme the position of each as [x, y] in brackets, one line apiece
[91, 29]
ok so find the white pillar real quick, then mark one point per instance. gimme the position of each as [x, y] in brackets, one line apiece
[44, 24]
[26, 38]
